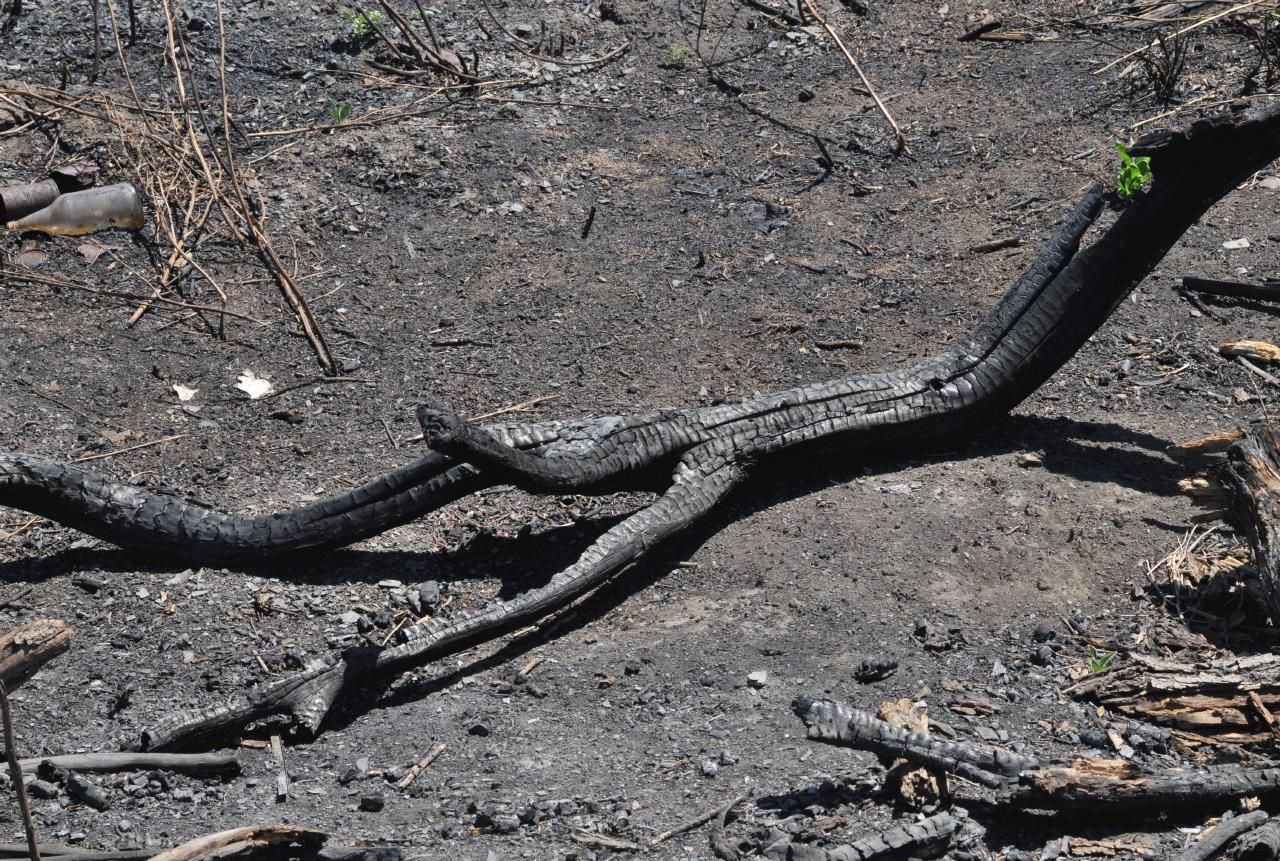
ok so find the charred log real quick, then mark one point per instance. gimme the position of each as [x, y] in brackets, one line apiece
[1022, 782]
[837, 723]
[1260, 844]
[1220, 835]
[699, 455]
[923, 839]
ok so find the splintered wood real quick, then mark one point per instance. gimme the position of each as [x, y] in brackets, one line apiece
[26, 649]
[1225, 701]
[1245, 489]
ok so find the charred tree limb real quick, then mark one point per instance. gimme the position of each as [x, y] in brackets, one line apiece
[1269, 292]
[1022, 782]
[922, 839]
[836, 723]
[1102, 785]
[698, 455]
[184, 763]
[1260, 844]
[1221, 834]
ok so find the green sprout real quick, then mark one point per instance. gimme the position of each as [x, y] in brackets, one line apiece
[363, 23]
[674, 54]
[339, 111]
[1132, 174]
[1100, 662]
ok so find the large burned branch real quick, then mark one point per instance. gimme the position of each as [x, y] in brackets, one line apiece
[698, 455]
[1023, 782]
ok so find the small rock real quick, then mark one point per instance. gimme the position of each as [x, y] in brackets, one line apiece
[1043, 633]
[758, 679]
[373, 802]
[429, 594]
[1236, 244]
[479, 728]
[1042, 656]
[505, 823]
[42, 789]
[1270, 183]
[710, 768]
[875, 669]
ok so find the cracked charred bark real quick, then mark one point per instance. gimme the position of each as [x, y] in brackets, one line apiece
[1060, 301]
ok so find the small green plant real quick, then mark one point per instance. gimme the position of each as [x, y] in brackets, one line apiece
[1100, 662]
[1132, 174]
[674, 55]
[339, 111]
[363, 23]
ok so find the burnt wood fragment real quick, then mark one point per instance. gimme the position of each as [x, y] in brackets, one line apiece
[1220, 835]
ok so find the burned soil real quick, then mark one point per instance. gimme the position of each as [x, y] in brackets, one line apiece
[712, 212]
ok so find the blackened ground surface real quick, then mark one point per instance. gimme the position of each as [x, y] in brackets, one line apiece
[445, 255]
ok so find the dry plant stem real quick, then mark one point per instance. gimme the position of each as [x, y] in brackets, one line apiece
[420, 766]
[15, 773]
[34, 278]
[698, 822]
[97, 40]
[900, 140]
[523, 47]
[287, 285]
[1209, 19]
[124, 64]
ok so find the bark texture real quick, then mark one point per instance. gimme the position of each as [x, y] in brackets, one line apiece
[698, 455]
[1252, 476]
[1221, 834]
[922, 839]
[27, 648]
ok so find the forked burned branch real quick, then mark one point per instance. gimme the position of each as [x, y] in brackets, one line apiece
[696, 456]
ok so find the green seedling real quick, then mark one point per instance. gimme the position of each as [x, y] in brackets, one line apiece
[362, 23]
[674, 54]
[339, 111]
[1100, 662]
[1132, 174]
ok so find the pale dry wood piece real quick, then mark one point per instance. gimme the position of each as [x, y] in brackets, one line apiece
[1212, 699]
[420, 766]
[915, 786]
[26, 649]
[1217, 443]
[251, 836]
[1223, 833]
[282, 774]
[1258, 350]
